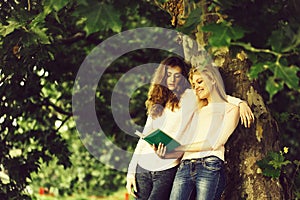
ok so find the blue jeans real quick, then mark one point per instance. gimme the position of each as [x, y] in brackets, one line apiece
[154, 185]
[204, 175]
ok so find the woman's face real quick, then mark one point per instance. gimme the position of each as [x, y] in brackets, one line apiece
[173, 77]
[200, 86]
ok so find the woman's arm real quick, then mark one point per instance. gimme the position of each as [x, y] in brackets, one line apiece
[218, 139]
[195, 147]
[179, 151]
[139, 147]
[246, 114]
[130, 179]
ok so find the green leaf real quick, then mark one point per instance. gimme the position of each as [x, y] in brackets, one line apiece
[276, 40]
[12, 25]
[284, 39]
[257, 68]
[192, 22]
[271, 165]
[278, 160]
[100, 17]
[223, 33]
[273, 86]
[58, 4]
[288, 75]
[236, 32]
[267, 169]
[112, 18]
[41, 35]
[281, 75]
[271, 172]
[220, 34]
[82, 2]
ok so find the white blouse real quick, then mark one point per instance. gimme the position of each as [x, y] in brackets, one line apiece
[211, 126]
[174, 123]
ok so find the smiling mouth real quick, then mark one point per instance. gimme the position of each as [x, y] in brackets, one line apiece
[199, 91]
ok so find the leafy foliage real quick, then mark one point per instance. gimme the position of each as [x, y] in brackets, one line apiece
[42, 46]
[272, 164]
[192, 21]
[99, 17]
[223, 33]
[88, 175]
[273, 50]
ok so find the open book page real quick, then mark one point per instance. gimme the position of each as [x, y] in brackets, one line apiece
[138, 133]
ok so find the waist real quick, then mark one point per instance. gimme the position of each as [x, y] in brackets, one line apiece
[203, 154]
[201, 160]
[140, 169]
[152, 162]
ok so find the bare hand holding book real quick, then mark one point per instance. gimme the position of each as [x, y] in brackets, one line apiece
[158, 136]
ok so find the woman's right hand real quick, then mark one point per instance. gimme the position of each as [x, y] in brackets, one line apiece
[131, 185]
[160, 150]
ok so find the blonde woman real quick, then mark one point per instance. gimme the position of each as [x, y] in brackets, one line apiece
[170, 105]
[202, 164]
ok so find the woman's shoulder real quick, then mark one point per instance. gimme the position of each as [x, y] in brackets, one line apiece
[223, 106]
[231, 107]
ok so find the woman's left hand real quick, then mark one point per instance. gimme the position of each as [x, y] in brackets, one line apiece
[246, 114]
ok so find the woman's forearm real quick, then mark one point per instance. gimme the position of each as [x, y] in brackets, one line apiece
[195, 147]
[173, 154]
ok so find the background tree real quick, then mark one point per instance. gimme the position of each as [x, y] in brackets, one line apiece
[44, 42]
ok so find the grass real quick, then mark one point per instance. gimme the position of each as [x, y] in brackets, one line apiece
[119, 195]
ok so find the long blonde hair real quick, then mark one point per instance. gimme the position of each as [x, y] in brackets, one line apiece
[159, 96]
[213, 74]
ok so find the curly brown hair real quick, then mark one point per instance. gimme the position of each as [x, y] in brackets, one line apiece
[159, 96]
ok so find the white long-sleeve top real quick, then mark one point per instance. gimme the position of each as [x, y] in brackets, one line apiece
[175, 124]
[211, 126]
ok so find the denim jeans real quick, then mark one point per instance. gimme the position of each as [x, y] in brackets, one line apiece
[204, 175]
[154, 185]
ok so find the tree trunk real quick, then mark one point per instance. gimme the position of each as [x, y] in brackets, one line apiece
[246, 146]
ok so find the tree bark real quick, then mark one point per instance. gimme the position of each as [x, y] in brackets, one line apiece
[247, 146]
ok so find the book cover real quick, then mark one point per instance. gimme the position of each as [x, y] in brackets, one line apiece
[158, 136]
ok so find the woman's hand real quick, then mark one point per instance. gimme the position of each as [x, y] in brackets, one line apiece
[160, 150]
[131, 185]
[246, 115]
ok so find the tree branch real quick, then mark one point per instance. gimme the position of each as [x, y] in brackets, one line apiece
[56, 108]
[74, 38]
[253, 49]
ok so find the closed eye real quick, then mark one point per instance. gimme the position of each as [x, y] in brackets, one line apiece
[199, 81]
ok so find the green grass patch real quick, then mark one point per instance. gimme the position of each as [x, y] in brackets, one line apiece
[119, 195]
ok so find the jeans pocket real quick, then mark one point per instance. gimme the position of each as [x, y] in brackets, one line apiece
[213, 163]
[181, 166]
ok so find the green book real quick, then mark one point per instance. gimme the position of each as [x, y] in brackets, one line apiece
[158, 136]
